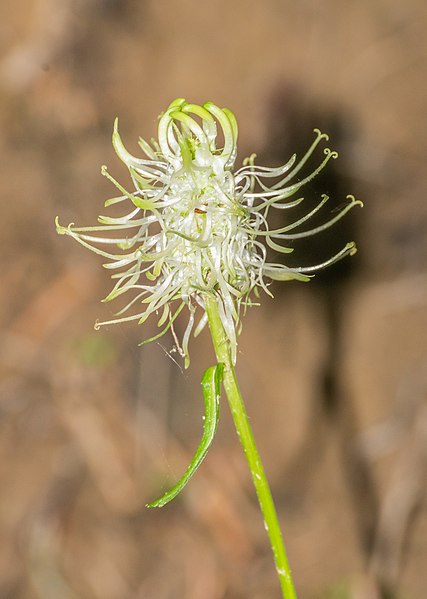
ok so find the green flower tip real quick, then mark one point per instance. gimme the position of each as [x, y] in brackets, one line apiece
[195, 227]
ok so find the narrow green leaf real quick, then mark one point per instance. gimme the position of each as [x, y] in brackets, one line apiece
[211, 387]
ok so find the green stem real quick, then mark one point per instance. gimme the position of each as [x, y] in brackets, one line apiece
[247, 440]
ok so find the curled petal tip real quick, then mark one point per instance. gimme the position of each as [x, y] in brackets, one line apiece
[177, 103]
[321, 135]
[63, 230]
[59, 228]
[354, 201]
[351, 248]
[331, 153]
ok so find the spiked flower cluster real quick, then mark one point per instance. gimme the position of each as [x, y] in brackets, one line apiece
[197, 228]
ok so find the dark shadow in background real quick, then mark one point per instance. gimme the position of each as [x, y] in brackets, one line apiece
[292, 116]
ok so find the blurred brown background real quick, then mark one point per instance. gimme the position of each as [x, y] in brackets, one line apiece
[334, 372]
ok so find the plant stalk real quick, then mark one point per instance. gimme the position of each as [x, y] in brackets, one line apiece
[247, 440]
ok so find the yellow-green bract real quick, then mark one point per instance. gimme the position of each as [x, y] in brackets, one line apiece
[211, 387]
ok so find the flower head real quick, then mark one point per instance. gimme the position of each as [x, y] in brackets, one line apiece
[195, 227]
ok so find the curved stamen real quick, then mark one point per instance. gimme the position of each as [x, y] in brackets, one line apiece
[324, 226]
[348, 250]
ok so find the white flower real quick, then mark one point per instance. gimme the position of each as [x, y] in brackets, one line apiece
[198, 228]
